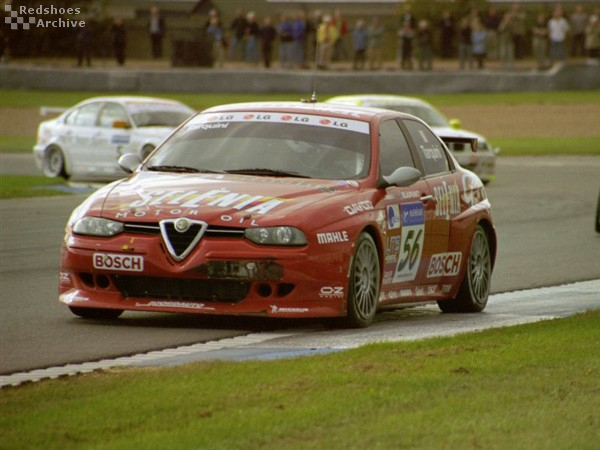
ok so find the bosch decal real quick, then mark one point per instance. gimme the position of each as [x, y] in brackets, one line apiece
[115, 261]
[444, 265]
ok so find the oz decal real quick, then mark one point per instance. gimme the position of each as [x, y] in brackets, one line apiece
[411, 246]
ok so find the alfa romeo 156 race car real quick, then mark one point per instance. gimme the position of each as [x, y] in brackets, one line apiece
[482, 161]
[284, 210]
[86, 141]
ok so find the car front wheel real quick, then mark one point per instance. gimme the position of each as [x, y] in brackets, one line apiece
[475, 288]
[54, 163]
[365, 280]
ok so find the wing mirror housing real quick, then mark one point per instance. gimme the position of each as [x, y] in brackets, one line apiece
[401, 177]
[129, 162]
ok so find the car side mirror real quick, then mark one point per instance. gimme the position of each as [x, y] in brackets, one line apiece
[129, 162]
[401, 177]
[120, 124]
[454, 123]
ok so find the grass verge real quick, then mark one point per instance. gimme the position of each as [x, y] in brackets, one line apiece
[547, 146]
[20, 186]
[16, 144]
[533, 386]
[35, 99]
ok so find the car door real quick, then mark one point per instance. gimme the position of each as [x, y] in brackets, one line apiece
[445, 205]
[408, 212]
[83, 128]
[112, 138]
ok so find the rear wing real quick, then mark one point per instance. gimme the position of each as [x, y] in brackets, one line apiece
[47, 110]
[460, 140]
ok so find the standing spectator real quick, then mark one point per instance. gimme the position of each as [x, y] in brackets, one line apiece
[359, 45]
[339, 47]
[119, 40]
[251, 38]
[519, 29]
[312, 26]
[592, 38]
[374, 44]
[406, 36]
[465, 44]
[156, 28]
[491, 22]
[213, 13]
[558, 29]
[238, 28]
[578, 22]
[425, 45]
[299, 37]
[286, 42]
[506, 43]
[326, 37]
[539, 42]
[268, 34]
[478, 42]
[214, 30]
[84, 44]
[447, 31]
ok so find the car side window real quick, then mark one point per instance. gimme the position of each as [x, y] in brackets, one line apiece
[87, 115]
[394, 151]
[430, 149]
[111, 113]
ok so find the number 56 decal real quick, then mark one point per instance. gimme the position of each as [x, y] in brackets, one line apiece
[411, 246]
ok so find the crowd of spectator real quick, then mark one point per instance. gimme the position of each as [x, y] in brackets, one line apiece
[472, 40]
[301, 40]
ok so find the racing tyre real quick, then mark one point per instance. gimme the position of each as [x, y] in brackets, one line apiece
[475, 288]
[365, 280]
[96, 313]
[54, 163]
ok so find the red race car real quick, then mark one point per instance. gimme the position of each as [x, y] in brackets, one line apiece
[285, 210]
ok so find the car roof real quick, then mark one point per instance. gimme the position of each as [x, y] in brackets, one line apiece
[129, 99]
[378, 99]
[348, 111]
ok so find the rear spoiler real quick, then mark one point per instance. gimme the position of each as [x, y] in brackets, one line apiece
[460, 140]
[47, 110]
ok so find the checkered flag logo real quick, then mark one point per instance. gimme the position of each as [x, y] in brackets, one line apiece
[14, 20]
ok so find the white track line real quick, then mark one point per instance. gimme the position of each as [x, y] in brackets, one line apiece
[244, 344]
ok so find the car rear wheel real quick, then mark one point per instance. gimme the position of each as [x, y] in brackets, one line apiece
[365, 280]
[475, 288]
[96, 313]
[54, 163]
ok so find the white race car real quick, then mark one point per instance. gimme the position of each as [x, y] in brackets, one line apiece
[482, 162]
[85, 141]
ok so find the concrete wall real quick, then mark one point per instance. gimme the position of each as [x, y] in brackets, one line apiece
[568, 77]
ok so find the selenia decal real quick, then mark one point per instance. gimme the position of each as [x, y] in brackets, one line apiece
[411, 246]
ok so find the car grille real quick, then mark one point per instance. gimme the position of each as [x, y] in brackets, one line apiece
[211, 231]
[189, 289]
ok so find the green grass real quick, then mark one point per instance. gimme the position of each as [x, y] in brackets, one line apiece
[525, 387]
[16, 144]
[20, 186]
[546, 146]
[35, 99]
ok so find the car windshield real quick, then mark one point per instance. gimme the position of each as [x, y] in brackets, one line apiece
[267, 144]
[158, 114]
[432, 117]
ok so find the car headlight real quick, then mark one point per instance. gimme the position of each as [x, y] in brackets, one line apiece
[97, 226]
[276, 236]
